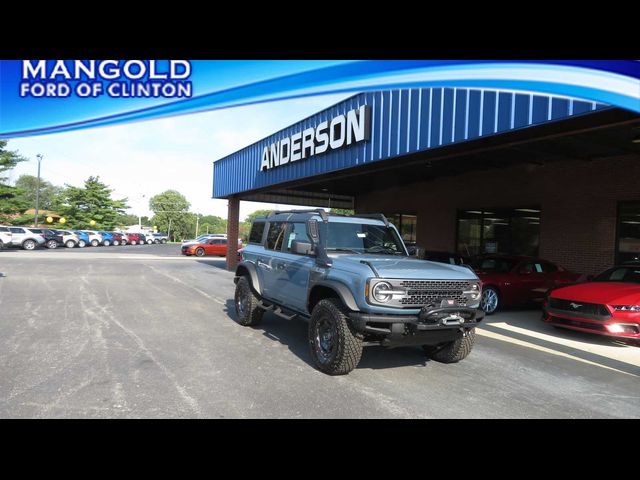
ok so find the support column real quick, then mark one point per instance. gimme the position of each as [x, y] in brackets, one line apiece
[233, 232]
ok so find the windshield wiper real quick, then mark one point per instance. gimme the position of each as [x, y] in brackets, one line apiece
[343, 250]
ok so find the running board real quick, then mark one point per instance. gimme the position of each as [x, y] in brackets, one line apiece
[277, 310]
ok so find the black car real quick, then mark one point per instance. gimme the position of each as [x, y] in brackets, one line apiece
[51, 239]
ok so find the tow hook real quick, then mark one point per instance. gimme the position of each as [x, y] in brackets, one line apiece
[453, 319]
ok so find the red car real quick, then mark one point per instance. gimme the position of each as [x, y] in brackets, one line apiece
[134, 238]
[211, 246]
[509, 280]
[608, 305]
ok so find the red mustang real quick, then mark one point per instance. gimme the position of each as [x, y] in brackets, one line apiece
[210, 246]
[514, 280]
[609, 305]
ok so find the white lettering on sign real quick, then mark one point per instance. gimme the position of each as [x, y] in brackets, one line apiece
[339, 132]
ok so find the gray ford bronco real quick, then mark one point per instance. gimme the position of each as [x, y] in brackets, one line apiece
[352, 277]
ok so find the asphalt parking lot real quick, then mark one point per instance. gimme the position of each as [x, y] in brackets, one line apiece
[143, 332]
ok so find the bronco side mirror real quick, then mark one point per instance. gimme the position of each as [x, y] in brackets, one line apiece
[302, 248]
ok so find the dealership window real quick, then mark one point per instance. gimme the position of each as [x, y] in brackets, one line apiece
[628, 247]
[406, 225]
[513, 231]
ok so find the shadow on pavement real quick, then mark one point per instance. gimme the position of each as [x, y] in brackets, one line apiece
[220, 263]
[294, 333]
[566, 349]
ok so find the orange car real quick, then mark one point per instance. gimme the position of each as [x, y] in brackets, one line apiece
[212, 246]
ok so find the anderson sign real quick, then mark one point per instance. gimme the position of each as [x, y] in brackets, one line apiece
[339, 132]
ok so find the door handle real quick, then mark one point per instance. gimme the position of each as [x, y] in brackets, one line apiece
[264, 265]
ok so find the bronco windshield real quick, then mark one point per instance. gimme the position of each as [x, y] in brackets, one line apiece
[362, 238]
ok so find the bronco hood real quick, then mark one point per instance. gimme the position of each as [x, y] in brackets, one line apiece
[388, 266]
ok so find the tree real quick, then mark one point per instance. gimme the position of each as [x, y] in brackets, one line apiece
[258, 213]
[342, 211]
[129, 219]
[50, 195]
[10, 200]
[93, 202]
[171, 210]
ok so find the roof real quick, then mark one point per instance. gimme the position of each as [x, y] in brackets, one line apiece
[394, 123]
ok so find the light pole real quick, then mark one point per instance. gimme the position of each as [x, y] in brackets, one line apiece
[39, 157]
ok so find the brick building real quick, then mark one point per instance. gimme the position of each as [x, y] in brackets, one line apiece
[472, 171]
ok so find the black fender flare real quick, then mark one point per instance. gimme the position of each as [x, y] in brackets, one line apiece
[248, 268]
[340, 288]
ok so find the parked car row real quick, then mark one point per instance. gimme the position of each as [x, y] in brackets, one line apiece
[607, 304]
[29, 238]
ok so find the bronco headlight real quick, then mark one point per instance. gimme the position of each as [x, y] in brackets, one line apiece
[383, 292]
[474, 292]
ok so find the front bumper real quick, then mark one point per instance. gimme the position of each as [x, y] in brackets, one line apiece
[428, 328]
[599, 326]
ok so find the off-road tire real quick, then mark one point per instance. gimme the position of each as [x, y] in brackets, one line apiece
[452, 352]
[346, 349]
[246, 303]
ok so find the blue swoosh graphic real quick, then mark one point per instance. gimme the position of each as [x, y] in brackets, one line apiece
[223, 85]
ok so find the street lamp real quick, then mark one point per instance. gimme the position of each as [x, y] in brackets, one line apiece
[39, 157]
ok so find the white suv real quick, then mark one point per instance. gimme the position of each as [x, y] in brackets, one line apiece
[5, 237]
[25, 238]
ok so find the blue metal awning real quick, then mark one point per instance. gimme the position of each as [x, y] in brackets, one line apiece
[401, 122]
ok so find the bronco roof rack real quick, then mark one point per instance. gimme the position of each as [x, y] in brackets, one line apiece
[319, 211]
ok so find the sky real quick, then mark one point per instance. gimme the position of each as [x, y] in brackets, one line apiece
[140, 160]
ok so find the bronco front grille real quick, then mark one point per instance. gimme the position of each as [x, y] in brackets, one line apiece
[432, 292]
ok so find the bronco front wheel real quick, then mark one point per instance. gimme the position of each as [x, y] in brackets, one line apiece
[335, 348]
[452, 352]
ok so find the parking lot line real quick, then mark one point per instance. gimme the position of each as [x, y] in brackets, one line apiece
[504, 338]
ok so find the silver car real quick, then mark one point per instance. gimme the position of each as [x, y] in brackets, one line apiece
[25, 238]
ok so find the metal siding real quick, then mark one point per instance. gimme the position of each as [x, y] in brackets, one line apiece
[460, 115]
[447, 116]
[581, 107]
[559, 108]
[540, 108]
[521, 111]
[425, 118]
[473, 119]
[401, 121]
[504, 112]
[404, 125]
[488, 113]
[435, 122]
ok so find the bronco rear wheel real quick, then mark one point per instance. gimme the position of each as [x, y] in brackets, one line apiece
[452, 352]
[335, 348]
[246, 302]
